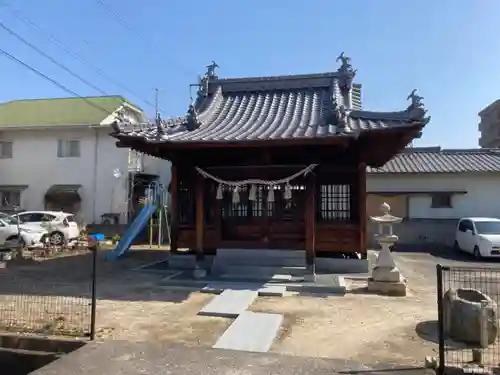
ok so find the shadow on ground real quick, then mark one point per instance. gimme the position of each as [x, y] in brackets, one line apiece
[70, 275]
[444, 252]
[428, 330]
[391, 370]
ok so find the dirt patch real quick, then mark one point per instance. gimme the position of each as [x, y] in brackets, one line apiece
[51, 295]
[365, 328]
[161, 318]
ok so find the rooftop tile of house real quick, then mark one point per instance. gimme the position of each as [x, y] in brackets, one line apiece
[437, 160]
[90, 110]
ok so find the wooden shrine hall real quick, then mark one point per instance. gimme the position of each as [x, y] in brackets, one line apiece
[274, 162]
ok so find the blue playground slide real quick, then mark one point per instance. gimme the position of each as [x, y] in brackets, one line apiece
[132, 232]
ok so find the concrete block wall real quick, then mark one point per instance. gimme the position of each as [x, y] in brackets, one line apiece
[420, 232]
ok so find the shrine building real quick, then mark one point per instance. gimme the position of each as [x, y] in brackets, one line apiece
[274, 162]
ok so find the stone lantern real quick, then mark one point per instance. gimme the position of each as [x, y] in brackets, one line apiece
[386, 277]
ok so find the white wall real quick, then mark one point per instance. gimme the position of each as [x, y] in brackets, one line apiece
[482, 198]
[35, 163]
[159, 167]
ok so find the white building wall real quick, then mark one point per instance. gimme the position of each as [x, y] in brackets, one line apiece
[35, 163]
[159, 167]
[481, 199]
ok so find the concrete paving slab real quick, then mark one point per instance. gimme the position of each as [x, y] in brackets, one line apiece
[258, 275]
[328, 284]
[252, 332]
[163, 357]
[230, 303]
[272, 291]
[182, 261]
[239, 257]
[262, 290]
[267, 270]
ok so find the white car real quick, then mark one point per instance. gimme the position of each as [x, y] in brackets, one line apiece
[479, 236]
[61, 226]
[29, 237]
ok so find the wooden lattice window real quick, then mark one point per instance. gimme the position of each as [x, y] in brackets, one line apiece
[292, 209]
[230, 209]
[186, 202]
[334, 202]
[257, 205]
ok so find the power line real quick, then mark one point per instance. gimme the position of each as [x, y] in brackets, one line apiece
[62, 66]
[53, 81]
[18, 15]
[132, 29]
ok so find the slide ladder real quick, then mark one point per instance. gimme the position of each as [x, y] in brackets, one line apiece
[153, 197]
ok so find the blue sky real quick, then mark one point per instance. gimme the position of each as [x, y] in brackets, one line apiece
[448, 49]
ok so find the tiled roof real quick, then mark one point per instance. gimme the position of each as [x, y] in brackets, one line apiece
[282, 107]
[59, 111]
[435, 160]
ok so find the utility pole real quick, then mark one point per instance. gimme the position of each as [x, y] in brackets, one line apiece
[157, 104]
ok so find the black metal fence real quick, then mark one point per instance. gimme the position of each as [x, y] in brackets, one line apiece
[468, 321]
[47, 303]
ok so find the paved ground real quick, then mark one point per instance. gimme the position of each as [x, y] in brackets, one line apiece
[126, 358]
[420, 267]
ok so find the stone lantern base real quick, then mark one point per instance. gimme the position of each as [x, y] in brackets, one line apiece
[386, 277]
[389, 288]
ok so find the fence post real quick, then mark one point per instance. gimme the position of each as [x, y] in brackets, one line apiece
[94, 296]
[483, 334]
[439, 277]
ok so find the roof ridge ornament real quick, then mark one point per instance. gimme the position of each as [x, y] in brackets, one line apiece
[347, 71]
[210, 75]
[339, 117]
[341, 113]
[120, 121]
[192, 122]
[416, 109]
[159, 125]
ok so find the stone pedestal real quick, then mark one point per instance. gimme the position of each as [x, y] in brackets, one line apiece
[310, 274]
[199, 271]
[386, 278]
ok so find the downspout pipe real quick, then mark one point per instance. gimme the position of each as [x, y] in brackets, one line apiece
[96, 157]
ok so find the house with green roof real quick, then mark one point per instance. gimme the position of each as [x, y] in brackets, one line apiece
[56, 154]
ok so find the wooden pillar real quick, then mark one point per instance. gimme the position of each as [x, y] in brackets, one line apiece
[200, 216]
[362, 210]
[217, 215]
[310, 222]
[174, 208]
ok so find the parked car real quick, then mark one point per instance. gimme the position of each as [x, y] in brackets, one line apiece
[61, 226]
[27, 237]
[479, 236]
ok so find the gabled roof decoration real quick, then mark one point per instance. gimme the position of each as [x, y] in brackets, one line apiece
[280, 107]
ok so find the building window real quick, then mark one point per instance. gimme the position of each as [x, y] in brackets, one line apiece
[441, 200]
[5, 150]
[10, 198]
[334, 202]
[68, 148]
